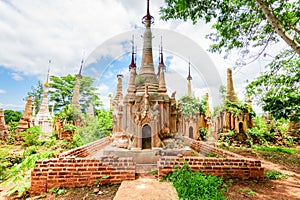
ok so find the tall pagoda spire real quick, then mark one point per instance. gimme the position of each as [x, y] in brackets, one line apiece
[75, 98]
[189, 78]
[132, 68]
[147, 72]
[230, 94]
[161, 70]
[43, 117]
[119, 93]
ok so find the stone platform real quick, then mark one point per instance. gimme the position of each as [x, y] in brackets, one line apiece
[145, 156]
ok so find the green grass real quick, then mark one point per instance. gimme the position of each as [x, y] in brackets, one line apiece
[275, 149]
[196, 185]
[274, 175]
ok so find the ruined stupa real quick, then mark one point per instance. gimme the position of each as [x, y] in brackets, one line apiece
[3, 128]
[228, 119]
[25, 121]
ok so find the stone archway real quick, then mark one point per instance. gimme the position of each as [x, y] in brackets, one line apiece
[191, 134]
[241, 127]
[146, 137]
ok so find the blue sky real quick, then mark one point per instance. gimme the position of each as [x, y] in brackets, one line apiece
[34, 32]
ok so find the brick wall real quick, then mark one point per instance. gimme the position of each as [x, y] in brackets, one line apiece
[205, 148]
[88, 149]
[226, 167]
[71, 172]
[230, 165]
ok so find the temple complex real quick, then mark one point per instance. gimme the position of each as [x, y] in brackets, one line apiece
[229, 119]
[43, 117]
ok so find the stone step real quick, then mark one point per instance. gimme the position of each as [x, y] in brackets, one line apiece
[145, 168]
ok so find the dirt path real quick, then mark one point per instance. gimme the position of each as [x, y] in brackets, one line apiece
[284, 189]
[146, 189]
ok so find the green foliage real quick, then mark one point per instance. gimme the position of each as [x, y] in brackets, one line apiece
[105, 120]
[17, 174]
[196, 185]
[61, 91]
[277, 88]
[57, 191]
[192, 105]
[239, 24]
[12, 119]
[31, 136]
[77, 141]
[274, 175]
[203, 133]
[96, 128]
[275, 149]
[37, 94]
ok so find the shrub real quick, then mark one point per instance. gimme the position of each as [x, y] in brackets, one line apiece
[275, 175]
[196, 185]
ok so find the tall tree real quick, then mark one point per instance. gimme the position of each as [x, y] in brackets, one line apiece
[278, 88]
[61, 91]
[242, 23]
[37, 95]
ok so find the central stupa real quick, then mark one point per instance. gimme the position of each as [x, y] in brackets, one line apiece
[145, 115]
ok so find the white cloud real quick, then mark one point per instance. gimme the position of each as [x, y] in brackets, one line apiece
[16, 77]
[2, 91]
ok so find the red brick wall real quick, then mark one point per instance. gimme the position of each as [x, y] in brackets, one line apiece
[88, 149]
[226, 167]
[205, 148]
[71, 172]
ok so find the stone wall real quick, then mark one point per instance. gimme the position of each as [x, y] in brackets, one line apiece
[78, 172]
[87, 150]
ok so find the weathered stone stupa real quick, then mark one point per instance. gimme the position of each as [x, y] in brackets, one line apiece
[43, 117]
[229, 120]
[3, 128]
[145, 114]
[25, 121]
[76, 93]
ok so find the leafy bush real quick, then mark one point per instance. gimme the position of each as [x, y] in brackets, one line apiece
[31, 136]
[275, 175]
[196, 185]
[18, 176]
[203, 133]
[192, 105]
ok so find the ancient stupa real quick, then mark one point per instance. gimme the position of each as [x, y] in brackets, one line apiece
[43, 117]
[228, 119]
[146, 114]
[25, 121]
[3, 128]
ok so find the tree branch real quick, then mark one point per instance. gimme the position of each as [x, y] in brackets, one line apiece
[277, 25]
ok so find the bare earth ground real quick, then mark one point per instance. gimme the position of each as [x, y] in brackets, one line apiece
[284, 189]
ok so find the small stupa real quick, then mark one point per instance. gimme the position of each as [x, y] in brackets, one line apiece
[25, 121]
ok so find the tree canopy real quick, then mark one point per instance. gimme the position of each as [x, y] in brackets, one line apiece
[61, 91]
[242, 23]
[278, 88]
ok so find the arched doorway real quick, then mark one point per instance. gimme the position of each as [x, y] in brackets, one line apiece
[191, 135]
[146, 137]
[241, 127]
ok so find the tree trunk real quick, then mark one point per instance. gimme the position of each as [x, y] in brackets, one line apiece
[278, 27]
